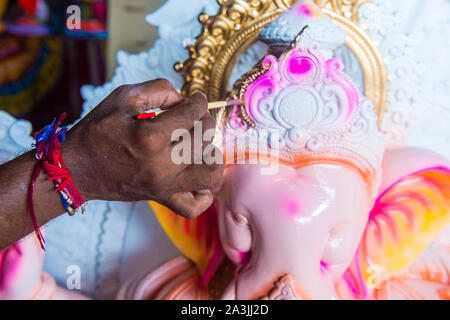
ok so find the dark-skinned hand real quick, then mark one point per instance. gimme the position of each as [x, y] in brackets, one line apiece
[113, 156]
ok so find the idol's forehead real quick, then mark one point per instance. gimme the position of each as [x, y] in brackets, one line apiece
[243, 178]
[246, 190]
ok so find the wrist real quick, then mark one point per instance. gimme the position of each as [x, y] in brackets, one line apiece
[78, 166]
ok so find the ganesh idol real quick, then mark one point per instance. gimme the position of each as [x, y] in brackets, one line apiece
[314, 206]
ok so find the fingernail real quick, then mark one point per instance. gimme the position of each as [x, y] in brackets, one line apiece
[200, 93]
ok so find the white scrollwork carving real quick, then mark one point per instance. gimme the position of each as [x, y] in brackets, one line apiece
[14, 137]
[398, 41]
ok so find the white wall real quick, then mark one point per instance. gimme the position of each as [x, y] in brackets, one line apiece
[127, 28]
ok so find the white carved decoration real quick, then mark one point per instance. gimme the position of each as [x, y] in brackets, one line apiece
[399, 27]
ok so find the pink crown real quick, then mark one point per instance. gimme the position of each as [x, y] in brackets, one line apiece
[313, 107]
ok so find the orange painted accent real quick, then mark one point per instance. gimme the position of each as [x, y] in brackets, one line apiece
[195, 238]
[297, 162]
[404, 221]
[444, 294]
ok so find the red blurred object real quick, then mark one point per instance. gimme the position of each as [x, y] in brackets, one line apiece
[29, 6]
[146, 115]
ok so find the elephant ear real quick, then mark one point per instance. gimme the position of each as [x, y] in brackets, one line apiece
[198, 239]
[407, 217]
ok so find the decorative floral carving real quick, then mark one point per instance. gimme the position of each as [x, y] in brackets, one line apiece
[380, 20]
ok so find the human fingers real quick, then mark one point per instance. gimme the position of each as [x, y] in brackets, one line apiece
[190, 205]
[184, 115]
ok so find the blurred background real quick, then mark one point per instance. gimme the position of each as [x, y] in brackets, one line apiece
[43, 63]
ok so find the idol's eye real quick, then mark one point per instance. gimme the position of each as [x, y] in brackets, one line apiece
[237, 215]
[239, 218]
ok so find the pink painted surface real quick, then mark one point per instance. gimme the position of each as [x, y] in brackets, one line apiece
[21, 269]
[291, 206]
[308, 10]
[318, 245]
[325, 231]
[22, 276]
[10, 260]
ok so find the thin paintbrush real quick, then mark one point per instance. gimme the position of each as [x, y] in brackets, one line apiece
[211, 106]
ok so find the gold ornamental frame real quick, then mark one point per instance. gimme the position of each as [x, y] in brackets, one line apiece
[225, 36]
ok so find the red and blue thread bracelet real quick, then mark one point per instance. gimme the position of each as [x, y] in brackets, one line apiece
[48, 154]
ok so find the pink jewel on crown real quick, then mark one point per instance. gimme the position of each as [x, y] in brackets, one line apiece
[317, 113]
